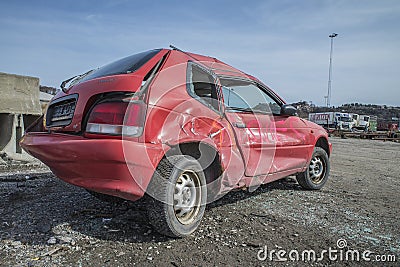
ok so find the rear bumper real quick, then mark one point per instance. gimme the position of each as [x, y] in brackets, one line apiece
[115, 167]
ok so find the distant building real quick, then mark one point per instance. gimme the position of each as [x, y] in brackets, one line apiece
[48, 90]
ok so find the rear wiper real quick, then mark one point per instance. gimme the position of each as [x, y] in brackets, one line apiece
[74, 79]
[65, 82]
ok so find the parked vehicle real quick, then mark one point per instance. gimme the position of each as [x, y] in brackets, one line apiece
[388, 125]
[325, 119]
[373, 124]
[365, 123]
[336, 120]
[345, 121]
[182, 129]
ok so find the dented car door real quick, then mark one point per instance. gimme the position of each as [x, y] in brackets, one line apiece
[249, 113]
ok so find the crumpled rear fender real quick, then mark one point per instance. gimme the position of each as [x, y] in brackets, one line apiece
[173, 128]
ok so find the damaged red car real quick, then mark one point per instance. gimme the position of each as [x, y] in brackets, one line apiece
[179, 128]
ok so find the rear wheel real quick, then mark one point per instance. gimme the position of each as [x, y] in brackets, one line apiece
[178, 195]
[317, 172]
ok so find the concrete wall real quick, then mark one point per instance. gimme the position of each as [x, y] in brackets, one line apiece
[19, 94]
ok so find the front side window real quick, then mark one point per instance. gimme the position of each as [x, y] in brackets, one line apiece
[247, 97]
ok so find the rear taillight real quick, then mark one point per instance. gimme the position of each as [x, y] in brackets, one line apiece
[116, 118]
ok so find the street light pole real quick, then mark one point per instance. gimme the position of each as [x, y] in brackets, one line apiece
[328, 97]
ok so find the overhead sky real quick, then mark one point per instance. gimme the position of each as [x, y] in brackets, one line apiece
[284, 43]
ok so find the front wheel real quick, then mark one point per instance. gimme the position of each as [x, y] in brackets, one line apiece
[178, 196]
[317, 173]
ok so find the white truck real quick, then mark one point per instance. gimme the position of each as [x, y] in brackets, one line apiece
[364, 122]
[336, 120]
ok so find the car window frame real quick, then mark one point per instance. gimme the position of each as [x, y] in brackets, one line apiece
[215, 82]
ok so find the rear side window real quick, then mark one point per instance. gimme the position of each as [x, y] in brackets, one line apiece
[201, 85]
[122, 66]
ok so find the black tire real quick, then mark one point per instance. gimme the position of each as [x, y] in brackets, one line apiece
[177, 196]
[317, 173]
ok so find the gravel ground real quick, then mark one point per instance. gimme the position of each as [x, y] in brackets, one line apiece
[46, 222]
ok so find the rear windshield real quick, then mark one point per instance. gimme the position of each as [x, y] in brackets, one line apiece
[122, 66]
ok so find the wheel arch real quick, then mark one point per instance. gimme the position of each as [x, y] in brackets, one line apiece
[202, 152]
[323, 143]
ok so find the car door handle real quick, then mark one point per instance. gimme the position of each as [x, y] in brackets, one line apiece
[240, 125]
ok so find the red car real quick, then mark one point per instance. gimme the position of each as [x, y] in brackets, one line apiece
[179, 127]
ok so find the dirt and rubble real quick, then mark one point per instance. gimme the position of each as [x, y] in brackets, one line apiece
[46, 222]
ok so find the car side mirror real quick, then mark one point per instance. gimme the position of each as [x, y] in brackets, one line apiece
[288, 110]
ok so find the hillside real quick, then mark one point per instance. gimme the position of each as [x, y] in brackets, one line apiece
[383, 112]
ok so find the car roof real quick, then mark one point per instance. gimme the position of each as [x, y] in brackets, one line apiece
[220, 68]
